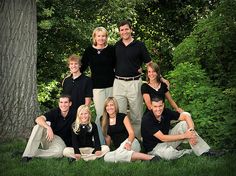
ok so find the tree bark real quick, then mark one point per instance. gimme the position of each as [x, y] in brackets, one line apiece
[18, 52]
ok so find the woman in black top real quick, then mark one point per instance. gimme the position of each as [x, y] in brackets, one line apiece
[117, 128]
[154, 87]
[100, 58]
[85, 140]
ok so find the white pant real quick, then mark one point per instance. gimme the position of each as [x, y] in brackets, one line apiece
[49, 149]
[129, 93]
[121, 154]
[167, 150]
[86, 152]
[99, 97]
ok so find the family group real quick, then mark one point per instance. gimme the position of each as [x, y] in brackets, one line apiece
[118, 92]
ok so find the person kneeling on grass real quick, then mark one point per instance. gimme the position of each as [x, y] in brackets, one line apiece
[85, 138]
[117, 128]
[160, 140]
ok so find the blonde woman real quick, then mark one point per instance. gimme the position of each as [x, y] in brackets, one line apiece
[118, 130]
[100, 58]
[154, 87]
[85, 140]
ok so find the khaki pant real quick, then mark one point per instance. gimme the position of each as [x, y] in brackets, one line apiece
[86, 152]
[168, 151]
[121, 154]
[99, 97]
[129, 92]
[48, 150]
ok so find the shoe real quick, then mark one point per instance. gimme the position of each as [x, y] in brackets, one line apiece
[71, 160]
[212, 153]
[26, 159]
[155, 158]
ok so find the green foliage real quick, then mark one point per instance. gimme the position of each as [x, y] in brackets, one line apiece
[187, 165]
[212, 110]
[46, 92]
[212, 44]
[166, 23]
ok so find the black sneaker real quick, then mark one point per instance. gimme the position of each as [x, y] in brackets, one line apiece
[155, 158]
[26, 159]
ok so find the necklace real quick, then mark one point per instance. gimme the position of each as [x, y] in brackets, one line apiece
[99, 51]
[156, 87]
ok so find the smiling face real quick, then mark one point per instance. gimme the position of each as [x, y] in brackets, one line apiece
[74, 67]
[100, 38]
[151, 73]
[111, 108]
[157, 108]
[64, 104]
[83, 115]
[125, 32]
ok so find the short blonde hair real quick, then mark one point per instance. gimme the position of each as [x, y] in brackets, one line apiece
[74, 58]
[98, 29]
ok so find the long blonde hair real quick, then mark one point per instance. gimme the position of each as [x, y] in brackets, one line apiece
[105, 116]
[77, 123]
[98, 29]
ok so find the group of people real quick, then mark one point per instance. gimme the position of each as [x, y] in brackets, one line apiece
[117, 90]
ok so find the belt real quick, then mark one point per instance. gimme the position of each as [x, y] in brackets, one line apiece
[128, 78]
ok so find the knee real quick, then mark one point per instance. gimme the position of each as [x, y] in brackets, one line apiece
[109, 157]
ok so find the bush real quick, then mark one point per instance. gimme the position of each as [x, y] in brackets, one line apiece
[212, 109]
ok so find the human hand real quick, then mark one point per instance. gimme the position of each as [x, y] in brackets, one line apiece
[98, 153]
[193, 141]
[77, 156]
[127, 146]
[190, 134]
[49, 135]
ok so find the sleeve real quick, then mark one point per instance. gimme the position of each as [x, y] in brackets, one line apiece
[84, 61]
[172, 115]
[97, 144]
[164, 87]
[75, 143]
[144, 88]
[51, 114]
[145, 53]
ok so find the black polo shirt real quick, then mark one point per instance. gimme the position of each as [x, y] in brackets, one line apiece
[130, 58]
[150, 125]
[60, 125]
[78, 89]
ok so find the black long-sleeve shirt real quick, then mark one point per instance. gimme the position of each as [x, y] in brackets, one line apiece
[86, 138]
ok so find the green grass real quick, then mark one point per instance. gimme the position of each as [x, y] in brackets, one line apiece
[189, 165]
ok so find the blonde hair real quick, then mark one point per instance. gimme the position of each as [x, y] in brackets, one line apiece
[105, 115]
[77, 123]
[74, 58]
[156, 68]
[98, 29]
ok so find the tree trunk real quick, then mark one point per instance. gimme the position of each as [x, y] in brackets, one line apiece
[18, 42]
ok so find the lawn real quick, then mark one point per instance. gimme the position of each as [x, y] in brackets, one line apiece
[189, 165]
